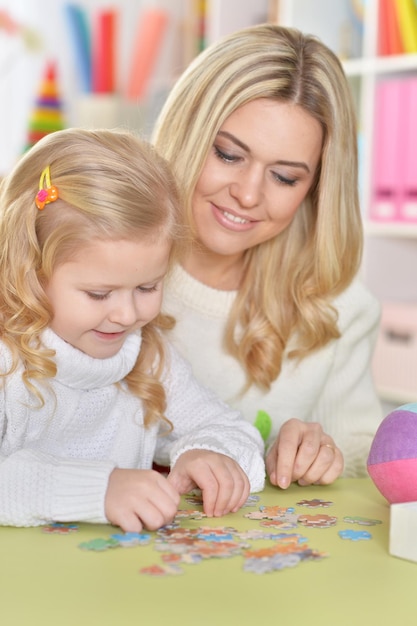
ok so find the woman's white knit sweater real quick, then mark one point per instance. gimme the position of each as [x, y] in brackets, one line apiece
[333, 386]
[55, 460]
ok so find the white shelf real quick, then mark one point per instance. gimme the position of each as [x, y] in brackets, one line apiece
[406, 230]
[380, 65]
[396, 396]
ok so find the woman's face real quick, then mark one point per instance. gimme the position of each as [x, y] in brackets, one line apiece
[259, 170]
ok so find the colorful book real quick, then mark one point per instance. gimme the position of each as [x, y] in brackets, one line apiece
[389, 34]
[406, 11]
[408, 208]
[148, 42]
[387, 150]
[383, 35]
[104, 51]
[80, 36]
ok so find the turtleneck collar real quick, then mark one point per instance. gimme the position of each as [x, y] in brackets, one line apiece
[78, 370]
[197, 295]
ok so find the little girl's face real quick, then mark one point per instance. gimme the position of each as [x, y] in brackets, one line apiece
[108, 290]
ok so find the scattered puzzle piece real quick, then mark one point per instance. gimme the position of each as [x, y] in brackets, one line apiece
[314, 503]
[98, 545]
[354, 535]
[60, 528]
[317, 521]
[132, 539]
[190, 514]
[285, 523]
[251, 501]
[363, 521]
[161, 570]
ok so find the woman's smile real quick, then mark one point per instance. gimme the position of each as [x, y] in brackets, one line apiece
[231, 220]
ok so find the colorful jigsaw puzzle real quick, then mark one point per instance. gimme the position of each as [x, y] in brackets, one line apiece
[179, 547]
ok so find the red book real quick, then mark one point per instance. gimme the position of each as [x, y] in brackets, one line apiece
[383, 27]
[104, 52]
[395, 42]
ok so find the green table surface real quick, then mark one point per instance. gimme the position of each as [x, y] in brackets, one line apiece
[47, 579]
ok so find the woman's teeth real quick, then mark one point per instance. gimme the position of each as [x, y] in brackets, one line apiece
[234, 218]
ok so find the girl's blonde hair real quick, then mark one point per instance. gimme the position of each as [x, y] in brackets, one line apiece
[290, 280]
[111, 185]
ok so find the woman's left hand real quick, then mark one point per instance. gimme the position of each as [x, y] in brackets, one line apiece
[303, 452]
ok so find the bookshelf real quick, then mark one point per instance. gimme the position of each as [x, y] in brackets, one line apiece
[352, 29]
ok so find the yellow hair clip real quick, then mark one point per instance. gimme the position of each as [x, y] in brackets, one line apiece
[47, 193]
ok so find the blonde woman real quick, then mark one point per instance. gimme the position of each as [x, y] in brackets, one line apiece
[91, 392]
[261, 133]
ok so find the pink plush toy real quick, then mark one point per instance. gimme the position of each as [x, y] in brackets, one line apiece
[392, 460]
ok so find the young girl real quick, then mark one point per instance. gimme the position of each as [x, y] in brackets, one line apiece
[91, 393]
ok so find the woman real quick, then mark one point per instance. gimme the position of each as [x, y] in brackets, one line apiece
[261, 132]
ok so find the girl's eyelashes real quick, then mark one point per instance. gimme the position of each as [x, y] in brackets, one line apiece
[148, 289]
[97, 296]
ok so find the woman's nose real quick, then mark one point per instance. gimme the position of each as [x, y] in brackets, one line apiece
[247, 188]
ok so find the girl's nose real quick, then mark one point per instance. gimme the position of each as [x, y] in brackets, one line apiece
[124, 311]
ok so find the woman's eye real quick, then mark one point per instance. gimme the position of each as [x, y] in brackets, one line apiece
[224, 156]
[283, 180]
[97, 296]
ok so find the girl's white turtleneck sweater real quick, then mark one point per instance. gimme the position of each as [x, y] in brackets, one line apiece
[55, 460]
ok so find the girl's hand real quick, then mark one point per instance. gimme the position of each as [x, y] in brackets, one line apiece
[137, 499]
[302, 452]
[224, 484]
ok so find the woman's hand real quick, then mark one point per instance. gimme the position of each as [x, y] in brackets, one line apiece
[302, 452]
[137, 499]
[224, 485]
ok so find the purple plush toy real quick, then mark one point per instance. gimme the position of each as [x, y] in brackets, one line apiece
[392, 461]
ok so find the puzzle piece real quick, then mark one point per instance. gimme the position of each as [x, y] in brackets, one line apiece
[317, 521]
[363, 521]
[190, 514]
[286, 523]
[194, 499]
[251, 501]
[161, 570]
[98, 545]
[314, 503]
[132, 539]
[354, 535]
[59, 528]
[273, 564]
[270, 512]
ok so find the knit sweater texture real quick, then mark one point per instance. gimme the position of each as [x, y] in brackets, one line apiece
[55, 460]
[332, 386]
